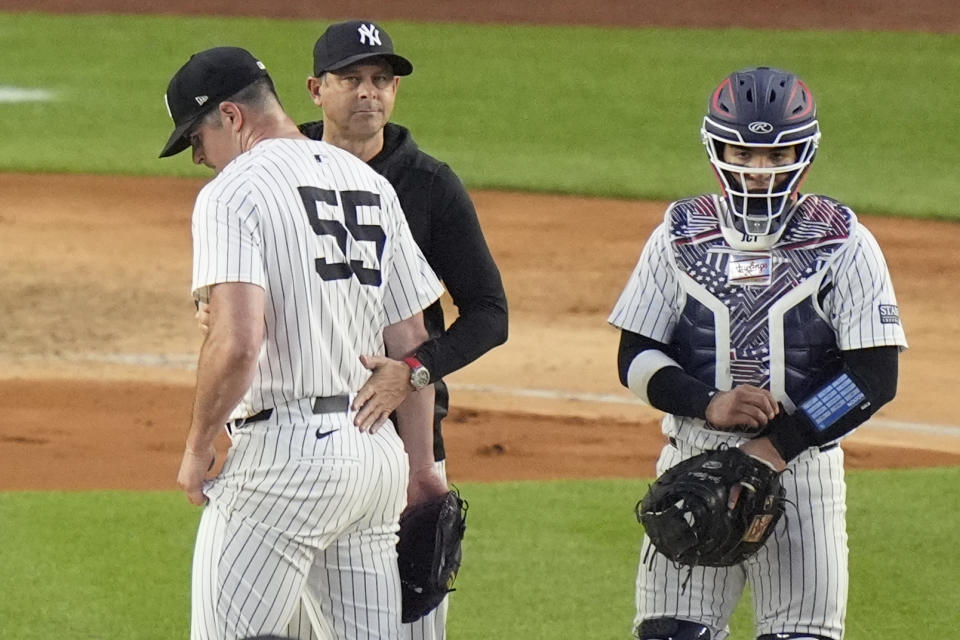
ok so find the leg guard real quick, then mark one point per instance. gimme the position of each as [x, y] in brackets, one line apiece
[793, 636]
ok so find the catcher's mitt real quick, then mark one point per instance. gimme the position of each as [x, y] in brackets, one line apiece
[686, 514]
[429, 553]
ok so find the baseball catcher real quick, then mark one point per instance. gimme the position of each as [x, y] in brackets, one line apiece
[764, 320]
[429, 552]
[715, 509]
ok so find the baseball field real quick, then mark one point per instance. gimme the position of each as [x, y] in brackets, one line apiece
[572, 124]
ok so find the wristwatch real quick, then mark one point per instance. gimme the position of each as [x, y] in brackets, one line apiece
[419, 374]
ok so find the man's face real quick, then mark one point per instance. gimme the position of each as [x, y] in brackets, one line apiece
[760, 158]
[357, 101]
[212, 142]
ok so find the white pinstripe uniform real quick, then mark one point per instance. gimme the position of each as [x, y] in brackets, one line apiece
[304, 492]
[430, 627]
[825, 287]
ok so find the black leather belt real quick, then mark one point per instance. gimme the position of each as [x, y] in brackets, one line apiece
[322, 404]
[257, 417]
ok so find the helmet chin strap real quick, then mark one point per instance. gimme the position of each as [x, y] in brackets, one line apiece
[743, 240]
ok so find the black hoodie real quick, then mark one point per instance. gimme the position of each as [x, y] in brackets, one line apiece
[445, 226]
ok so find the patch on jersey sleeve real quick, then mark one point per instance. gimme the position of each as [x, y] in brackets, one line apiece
[836, 399]
[889, 314]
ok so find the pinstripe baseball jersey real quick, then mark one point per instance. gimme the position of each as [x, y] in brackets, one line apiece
[306, 504]
[326, 238]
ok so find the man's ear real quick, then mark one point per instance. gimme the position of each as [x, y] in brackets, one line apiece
[315, 89]
[231, 115]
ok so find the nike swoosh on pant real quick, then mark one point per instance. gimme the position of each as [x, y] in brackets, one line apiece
[324, 434]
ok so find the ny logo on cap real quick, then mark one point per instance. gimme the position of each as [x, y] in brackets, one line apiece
[370, 33]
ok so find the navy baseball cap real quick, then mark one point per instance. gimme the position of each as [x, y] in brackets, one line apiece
[201, 84]
[345, 43]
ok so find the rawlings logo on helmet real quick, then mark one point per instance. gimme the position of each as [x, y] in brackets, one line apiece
[760, 127]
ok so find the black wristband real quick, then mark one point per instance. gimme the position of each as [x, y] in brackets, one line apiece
[789, 434]
[673, 390]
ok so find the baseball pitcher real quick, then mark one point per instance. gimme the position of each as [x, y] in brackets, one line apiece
[306, 262]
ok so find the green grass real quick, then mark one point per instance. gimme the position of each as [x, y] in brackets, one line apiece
[611, 112]
[97, 565]
[543, 561]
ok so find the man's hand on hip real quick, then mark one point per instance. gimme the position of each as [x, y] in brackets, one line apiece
[382, 393]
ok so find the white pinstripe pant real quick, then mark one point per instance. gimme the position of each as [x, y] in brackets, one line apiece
[287, 505]
[798, 579]
[432, 626]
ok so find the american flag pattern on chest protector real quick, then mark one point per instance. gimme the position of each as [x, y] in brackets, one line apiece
[750, 298]
[738, 317]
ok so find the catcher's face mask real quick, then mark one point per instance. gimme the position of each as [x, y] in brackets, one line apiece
[761, 135]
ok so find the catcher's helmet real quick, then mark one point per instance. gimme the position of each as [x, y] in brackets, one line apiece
[760, 108]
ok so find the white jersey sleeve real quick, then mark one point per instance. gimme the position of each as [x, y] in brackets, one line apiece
[227, 243]
[861, 305]
[652, 300]
[411, 285]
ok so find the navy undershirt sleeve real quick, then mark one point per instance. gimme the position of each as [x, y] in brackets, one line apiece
[671, 389]
[868, 381]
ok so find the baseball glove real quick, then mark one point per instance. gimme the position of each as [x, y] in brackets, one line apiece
[687, 516]
[429, 552]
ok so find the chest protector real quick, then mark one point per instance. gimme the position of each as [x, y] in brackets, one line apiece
[755, 317]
